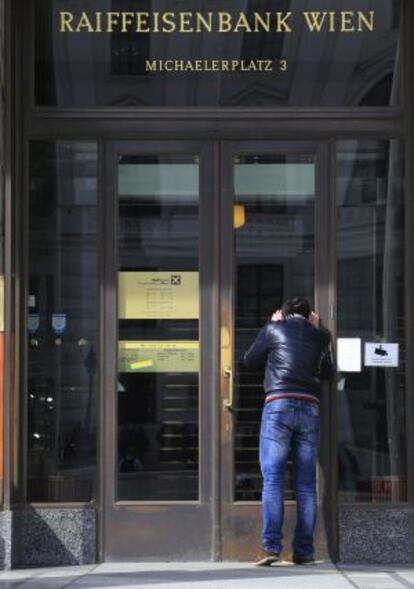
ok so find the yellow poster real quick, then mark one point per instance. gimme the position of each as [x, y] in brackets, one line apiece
[158, 295]
[158, 356]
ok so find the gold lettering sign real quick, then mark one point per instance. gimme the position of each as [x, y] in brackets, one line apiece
[343, 21]
[158, 356]
[158, 295]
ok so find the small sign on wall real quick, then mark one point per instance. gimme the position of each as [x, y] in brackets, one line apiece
[59, 323]
[380, 354]
[33, 323]
[349, 354]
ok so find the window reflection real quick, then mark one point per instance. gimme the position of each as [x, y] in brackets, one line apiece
[158, 365]
[274, 258]
[62, 321]
[129, 50]
[371, 412]
[323, 69]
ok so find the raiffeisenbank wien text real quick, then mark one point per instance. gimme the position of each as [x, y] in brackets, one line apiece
[344, 21]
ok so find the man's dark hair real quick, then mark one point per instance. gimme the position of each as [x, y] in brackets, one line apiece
[296, 306]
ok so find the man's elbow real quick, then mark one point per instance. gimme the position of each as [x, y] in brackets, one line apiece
[247, 361]
[250, 362]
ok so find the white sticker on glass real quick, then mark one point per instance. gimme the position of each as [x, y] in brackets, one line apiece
[349, 356]
[380, 354]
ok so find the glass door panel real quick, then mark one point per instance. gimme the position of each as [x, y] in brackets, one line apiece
[273, 236]
[158, 311]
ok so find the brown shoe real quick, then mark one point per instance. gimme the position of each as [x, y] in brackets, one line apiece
[266, 559]
[303, 560]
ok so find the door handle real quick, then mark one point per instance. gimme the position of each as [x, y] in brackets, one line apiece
[228, 373]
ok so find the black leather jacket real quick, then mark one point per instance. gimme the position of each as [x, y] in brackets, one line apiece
[297, 356]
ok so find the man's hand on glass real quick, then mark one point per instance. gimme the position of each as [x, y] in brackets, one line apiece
[278, 316]
[314, 319]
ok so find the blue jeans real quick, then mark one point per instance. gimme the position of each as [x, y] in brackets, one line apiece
[289, 423]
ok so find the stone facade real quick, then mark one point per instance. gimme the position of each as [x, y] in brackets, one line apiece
[383, 534]
[53, 536]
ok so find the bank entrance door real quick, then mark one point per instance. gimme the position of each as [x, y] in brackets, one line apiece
[203, 241]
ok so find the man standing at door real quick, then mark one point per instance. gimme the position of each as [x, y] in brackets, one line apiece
[295, 352]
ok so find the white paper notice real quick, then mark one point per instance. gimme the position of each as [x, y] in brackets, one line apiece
[349, 356]
[378, 354]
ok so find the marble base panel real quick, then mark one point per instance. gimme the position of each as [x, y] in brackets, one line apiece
[5, 539]
[383, 535]
[67, 536]
[54, 537]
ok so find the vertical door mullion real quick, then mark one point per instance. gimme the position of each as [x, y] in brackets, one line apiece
[325, 296]
[207, 324]
[209, 329]
[108, 216]
[227, 318]
[331, 204]
[100, 438]
[109, 330]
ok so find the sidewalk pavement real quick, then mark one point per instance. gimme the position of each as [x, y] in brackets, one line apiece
[323, 575]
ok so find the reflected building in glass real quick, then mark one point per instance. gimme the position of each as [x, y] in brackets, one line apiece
[170, 175]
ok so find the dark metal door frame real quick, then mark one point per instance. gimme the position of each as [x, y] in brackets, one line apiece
[241, 521]
[215, 514]
[161, 530]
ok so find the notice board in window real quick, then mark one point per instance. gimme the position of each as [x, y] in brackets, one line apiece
[158, 356]
[158, 295]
